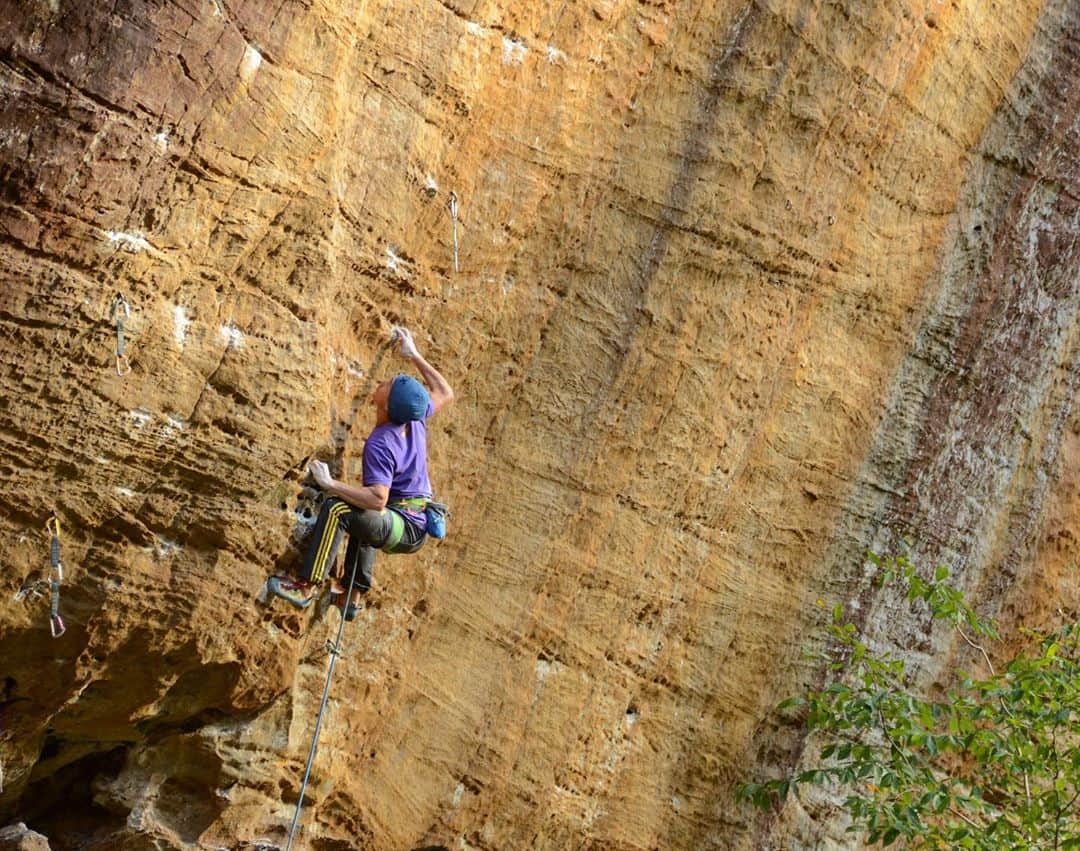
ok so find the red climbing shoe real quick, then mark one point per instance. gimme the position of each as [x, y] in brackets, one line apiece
[300, 594]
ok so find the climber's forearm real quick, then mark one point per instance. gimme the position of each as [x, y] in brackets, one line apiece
[372, 497]
[442, 394]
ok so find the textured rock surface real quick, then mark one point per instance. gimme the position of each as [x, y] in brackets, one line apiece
[744, 289]
[18, 837]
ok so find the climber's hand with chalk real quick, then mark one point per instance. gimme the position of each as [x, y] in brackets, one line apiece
[441, 392]
[408, 345]
[320, 472]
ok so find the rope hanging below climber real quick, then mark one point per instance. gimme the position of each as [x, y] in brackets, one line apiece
[335, 651]
[391, 510]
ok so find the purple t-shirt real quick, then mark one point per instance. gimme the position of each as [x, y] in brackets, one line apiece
[396, 456]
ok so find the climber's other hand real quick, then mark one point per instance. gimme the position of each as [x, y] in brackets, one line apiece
[321, 474]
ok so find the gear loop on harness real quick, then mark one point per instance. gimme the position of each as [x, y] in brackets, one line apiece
[118, 312]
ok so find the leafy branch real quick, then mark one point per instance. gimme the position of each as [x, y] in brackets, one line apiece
[993, 765]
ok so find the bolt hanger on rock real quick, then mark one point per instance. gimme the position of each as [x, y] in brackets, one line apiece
[118, 312]
[30, 588]
[453, 205]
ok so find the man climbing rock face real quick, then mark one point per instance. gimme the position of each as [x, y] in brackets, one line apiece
[387, 511]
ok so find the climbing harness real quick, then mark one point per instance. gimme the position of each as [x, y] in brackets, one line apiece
[56, 576]
[435, 515]
[453, 205]
[334, 651]
[120, 311]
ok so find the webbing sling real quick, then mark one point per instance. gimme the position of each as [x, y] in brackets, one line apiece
[56, 576]
[453, 205]
[120, 311]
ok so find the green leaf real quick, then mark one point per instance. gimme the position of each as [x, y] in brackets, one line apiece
[926, 716]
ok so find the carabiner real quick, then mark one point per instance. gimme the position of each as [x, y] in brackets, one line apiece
[119, 303]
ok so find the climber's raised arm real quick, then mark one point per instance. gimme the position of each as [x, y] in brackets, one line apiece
[442, 394]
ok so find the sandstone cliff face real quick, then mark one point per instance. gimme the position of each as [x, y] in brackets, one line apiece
[744, 289]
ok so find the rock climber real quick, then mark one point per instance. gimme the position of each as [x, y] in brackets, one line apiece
[388, 511]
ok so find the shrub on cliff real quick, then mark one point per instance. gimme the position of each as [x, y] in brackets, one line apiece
[993, 765]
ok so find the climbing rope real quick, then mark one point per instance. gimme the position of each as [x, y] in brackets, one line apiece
[56, 576]
[453, 205]
[120, 311]
[334, 651]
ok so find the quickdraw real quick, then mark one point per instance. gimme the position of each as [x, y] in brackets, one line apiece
[453, 205]
[56, 576]
[120, 311]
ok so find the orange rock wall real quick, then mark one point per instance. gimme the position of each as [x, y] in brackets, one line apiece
[744, 289]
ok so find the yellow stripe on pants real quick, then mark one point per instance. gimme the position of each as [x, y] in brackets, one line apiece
[318, 568]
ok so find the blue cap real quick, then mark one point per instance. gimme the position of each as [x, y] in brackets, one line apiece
[408, 400]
